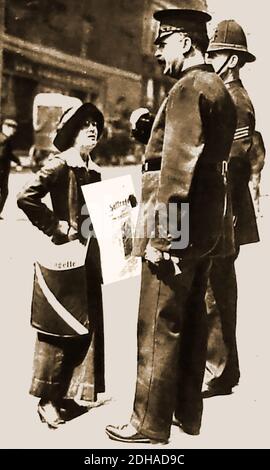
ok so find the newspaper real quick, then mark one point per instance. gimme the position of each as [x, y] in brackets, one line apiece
[113, 210]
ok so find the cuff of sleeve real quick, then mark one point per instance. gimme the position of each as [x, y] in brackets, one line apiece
[49, 230]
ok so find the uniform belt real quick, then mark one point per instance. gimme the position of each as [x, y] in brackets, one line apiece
[155, 164]
[151, 165]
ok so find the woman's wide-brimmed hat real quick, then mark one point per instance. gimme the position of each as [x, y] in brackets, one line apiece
[73, 121]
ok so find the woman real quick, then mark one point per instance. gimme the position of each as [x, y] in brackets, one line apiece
[66, 368]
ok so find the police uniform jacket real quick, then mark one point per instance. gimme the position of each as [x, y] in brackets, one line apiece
[240, 166]
[192, 135]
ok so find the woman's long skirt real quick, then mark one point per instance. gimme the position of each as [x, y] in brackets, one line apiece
[73, 367]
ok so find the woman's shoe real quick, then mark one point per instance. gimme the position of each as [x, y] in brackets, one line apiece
[69, 409]
[49, 414]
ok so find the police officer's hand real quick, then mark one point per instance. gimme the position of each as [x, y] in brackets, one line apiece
[256, 199]
[162, 265]
[153, 255]
[254, 187]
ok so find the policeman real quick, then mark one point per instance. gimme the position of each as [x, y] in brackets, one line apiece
[228, 53]
[9, 128]
[185, 162]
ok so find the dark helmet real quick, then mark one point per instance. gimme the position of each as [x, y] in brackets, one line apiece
[230, 36]
[72, 122]
[191, 15]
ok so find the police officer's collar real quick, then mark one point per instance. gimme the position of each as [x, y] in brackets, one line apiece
[235, 82]
[203, 66]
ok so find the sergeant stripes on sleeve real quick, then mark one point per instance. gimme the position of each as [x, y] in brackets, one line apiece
[241, 132]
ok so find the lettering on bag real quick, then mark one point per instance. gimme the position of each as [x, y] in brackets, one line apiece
[65, 265]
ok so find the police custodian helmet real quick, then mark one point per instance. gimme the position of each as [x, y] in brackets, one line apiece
[230, 36]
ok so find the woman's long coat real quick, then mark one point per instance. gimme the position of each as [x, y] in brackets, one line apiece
[81, 359]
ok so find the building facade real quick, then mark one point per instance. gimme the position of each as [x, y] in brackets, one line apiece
[96, 50]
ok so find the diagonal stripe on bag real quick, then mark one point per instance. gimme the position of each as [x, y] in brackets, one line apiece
[60, 303]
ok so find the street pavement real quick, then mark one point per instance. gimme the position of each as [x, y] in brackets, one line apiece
[236, 421]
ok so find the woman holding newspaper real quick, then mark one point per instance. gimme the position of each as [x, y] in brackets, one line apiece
[67, 300]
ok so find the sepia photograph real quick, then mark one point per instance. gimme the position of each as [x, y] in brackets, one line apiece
[134, 225]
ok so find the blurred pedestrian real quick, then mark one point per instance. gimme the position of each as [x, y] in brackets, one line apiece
[119, 128]
[9, 128]
[69, 369]
[141, 124]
